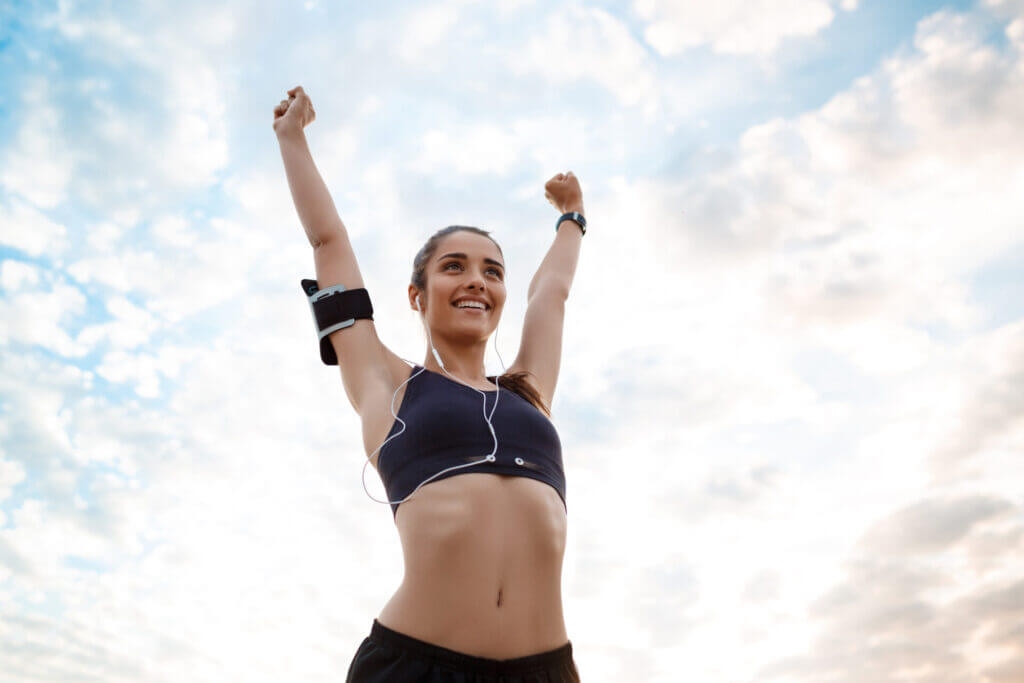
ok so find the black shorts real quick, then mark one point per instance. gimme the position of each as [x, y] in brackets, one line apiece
[389, 656]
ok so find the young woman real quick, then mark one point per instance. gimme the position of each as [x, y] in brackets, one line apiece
[471, 463]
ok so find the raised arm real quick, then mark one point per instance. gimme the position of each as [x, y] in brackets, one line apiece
[540, 351]
[559, 265]
[367, 366]
[313, 202]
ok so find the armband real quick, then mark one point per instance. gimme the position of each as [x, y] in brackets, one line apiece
[335, 308]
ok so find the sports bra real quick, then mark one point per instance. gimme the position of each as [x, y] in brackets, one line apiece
[445, 426]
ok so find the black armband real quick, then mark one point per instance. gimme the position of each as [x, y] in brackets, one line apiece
[335, 308]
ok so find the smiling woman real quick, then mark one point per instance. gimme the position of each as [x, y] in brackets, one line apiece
[480, 505]
[482, 533]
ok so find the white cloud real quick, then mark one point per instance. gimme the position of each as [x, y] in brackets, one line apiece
[24, 228]
[493, 151]
[174, 231]
[130, 327]
[732, 26]
[36, 165]
[16, 275]
[142, 370]
[12, 473]
[598, 47]
[422, 31]
[121, 154]
[39, 316]
[858, 209]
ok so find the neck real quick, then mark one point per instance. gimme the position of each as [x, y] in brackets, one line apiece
[466, 363]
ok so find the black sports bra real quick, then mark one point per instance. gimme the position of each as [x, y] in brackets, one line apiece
[445, 426]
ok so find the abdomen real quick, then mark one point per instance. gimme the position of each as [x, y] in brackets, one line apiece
[483, 563]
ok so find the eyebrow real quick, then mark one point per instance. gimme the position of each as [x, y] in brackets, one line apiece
[459, 254]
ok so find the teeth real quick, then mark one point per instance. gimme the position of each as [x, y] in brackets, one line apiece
[468, 304]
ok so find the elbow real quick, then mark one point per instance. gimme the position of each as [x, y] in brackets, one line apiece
[554, 287]
[325, 237]
[322, 234]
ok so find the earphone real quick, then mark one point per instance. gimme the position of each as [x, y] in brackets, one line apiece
[490, 457]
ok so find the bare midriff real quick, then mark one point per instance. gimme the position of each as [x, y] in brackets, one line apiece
[483, 565]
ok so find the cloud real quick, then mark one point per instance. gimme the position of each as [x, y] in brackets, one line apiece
[734, 26]
[25, 228]
[853, 214]
[423, 29]
[35, 164]
[763, 586]
[12, 473]
[603, 50]
[987, 419]
[911, 608]
[110, 156]
[930, 525]
[494, 150]
[38, 314]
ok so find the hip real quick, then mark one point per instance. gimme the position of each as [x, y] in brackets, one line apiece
[390, 655]
[512, 621]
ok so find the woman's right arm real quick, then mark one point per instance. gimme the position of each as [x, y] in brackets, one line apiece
[313, 202]
[367, 366]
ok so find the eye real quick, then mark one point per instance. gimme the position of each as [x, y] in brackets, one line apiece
[456, 263]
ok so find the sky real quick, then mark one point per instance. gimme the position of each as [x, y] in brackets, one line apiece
[791, 398]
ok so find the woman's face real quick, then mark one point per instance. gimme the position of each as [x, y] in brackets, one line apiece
[465, 264]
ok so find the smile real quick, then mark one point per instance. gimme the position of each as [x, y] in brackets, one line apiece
[471, 309]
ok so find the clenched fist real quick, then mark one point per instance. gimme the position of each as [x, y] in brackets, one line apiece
[295, 113]
[563, 191]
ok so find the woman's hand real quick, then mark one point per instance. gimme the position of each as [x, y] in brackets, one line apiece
[563, 190]
[295, 113]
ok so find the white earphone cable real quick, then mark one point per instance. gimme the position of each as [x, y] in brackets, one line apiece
[488, 458]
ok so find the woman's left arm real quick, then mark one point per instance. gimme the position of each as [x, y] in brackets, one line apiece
[540, 351]
[559, 265]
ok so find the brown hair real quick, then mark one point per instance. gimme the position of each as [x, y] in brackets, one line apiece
[517, 382]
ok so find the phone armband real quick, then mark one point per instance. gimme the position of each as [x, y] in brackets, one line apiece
[335, 308]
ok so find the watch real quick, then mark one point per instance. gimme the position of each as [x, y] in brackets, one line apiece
[573, 216]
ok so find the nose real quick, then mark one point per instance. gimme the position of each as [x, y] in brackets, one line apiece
[476, 280]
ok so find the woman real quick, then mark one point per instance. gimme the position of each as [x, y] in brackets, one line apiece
[480, 600]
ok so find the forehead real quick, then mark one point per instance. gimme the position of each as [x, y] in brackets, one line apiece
[475, 246]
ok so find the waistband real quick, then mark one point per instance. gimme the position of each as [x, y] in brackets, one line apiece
[471, 663]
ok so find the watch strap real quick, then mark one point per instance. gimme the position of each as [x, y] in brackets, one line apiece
[572, 216]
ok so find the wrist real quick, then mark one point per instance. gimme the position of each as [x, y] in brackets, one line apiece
[577, 207]
[286, 132]
[580, 221]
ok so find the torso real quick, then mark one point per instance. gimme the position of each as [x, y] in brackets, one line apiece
[483, 557]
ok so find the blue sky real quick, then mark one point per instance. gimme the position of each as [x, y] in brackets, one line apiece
[789, 401]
